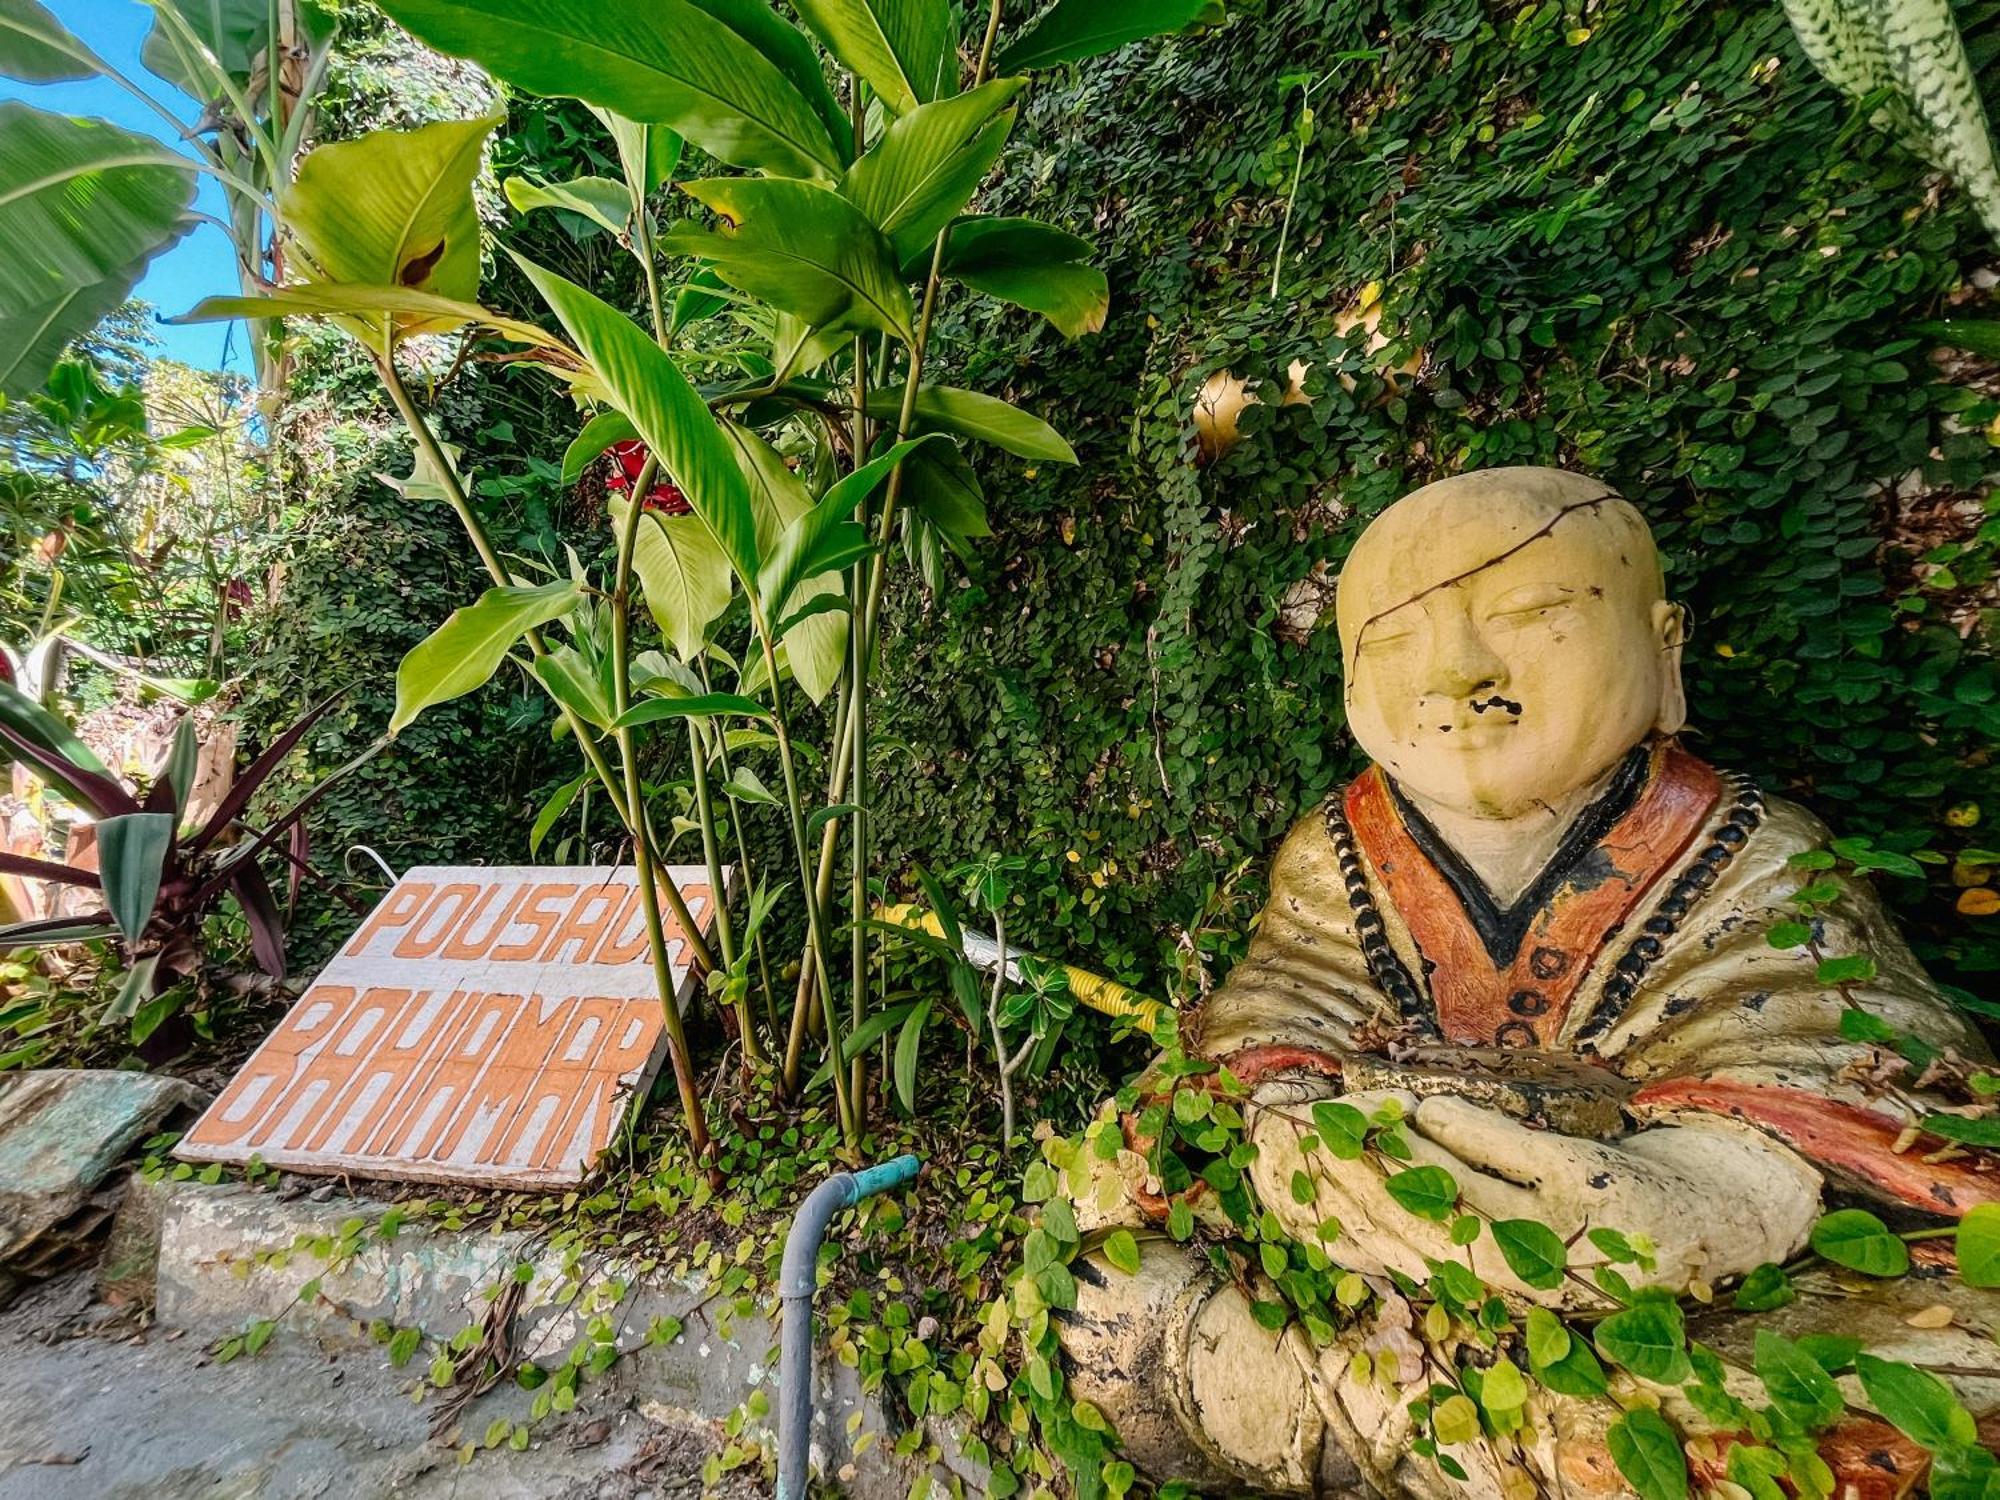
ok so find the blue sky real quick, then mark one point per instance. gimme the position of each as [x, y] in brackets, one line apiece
[200, 265]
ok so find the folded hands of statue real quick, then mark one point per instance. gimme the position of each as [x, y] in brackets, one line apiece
[1703, 1200]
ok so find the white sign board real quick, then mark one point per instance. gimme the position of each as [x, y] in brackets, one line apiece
[485, 1025]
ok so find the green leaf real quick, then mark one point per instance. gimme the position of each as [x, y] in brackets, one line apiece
[974, 415]
[940, 486]
[792, 52]
[1766, 1287]
[929, 163]
[132, 858]
[573, 683]
[682, 572]
[1032, 265]
[908, 1045]
[802, 248]
[203, 42]
[1342, 1128]
[1916, 1403]
[907, 50]
[36, 48]
[1796, 1384]
[666, 62]
[1122, 1251]
[648, 155]
[1788, 934]
[802, 550]
[467, 649]
[1576, 1373]
[1455, 1420]
[645, 384]
[1853, 968]
[1967, 1130]
[1071, 30]
[1832, 1352]
[1974, 335]
[1534, 1252]
[1427, 1192]
[366, 306]
[1855, 1238]
[35, 724]
[598, 434]
[603, 201]
[1548, 1339]
[552, 811]
[1649, 1339]
[1978, 1243]
[695, 706]
[83, 207]
[815, 646]
[1648, 1453]
[183, 760]
[1504, 1389]
[392, 208]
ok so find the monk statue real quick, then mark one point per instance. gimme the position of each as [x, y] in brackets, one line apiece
[1538, 932]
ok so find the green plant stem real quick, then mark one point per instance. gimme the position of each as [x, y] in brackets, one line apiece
[743, 865]
[815, 922]
[642, 836]
[829, 844]
[621, 667]
[857, 689]
[427, 444]
[847, 753]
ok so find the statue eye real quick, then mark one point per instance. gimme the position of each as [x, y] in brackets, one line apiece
[1386, 636]
[1528, 604]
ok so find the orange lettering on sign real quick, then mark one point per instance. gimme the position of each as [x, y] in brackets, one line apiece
[404, 902]
[594, 911]
[419, 1051]
[628, 940]
[247, 1102]
[429, 930]
[538, 914]
[463, 945]
[489, 1017]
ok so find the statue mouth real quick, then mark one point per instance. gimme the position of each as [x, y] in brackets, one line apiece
[1486, 705]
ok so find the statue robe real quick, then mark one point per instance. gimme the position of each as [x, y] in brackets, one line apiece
[1640, 956]
[1642, 948]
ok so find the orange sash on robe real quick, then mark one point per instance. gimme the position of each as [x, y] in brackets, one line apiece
[1519, 998]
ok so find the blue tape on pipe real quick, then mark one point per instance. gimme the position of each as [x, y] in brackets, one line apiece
[886, 1177]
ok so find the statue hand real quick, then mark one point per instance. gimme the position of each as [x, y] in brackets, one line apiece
[1376, 1234]
[1714, 1199]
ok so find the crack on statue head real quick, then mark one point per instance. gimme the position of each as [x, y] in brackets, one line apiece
[1507, 639]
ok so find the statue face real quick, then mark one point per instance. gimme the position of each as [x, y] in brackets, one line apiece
[1506, 639]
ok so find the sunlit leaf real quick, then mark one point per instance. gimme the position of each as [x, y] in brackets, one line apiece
[665, 62]
[465, 651]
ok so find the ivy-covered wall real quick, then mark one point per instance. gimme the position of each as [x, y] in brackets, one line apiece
[1639, 238]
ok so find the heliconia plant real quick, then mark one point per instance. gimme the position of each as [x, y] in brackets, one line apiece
[158, 877]
[769, 420]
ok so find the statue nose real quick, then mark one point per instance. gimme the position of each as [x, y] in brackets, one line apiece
[1463, 664]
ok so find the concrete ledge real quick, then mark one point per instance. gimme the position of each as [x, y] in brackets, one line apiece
[210, 1283]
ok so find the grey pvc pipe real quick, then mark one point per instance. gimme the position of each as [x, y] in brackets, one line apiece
[797, 1277]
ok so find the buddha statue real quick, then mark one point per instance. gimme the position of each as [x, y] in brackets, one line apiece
[1537, 928]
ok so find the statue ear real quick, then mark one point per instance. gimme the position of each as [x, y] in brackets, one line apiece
[1670, 629]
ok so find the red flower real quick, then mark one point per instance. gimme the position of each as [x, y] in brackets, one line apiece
[236, 598]
[629, 458]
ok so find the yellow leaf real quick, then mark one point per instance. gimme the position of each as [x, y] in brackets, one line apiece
[1980, 901]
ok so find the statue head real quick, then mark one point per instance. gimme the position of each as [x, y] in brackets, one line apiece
[1507, 639]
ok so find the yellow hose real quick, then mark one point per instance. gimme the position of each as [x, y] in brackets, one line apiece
[1106, 996]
